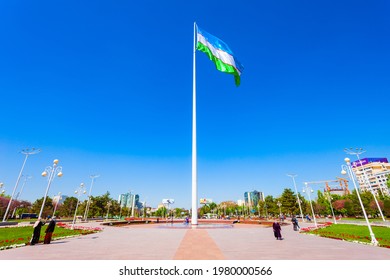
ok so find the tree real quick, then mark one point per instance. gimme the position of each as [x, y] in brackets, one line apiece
[68, 207]
[47, 209]
[161, 212]
[98, 205]
[289, 202]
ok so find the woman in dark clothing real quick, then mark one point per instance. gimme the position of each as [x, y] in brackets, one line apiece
[49, 230]
[277, 230]
[37, 231]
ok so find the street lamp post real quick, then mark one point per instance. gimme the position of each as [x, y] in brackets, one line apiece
[296, 191]
[80, 191]
[52, 170]
[59, 197]
[329, 197]
[108, 209]
[309, 190]
[27, 153]
[89, 197]
[280, 209]
[348, 169]
[357, 152]
[133, 206]
[26, 177]
[129, 200]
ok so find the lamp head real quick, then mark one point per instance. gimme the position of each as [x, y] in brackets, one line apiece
[1, 184]
[56, 161]
[44, 174]
[347, 160]
[343, 172]
[60, 174]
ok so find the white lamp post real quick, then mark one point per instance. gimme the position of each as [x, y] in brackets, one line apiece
[348, 169]
[80, 191]
[52, 170]
[89, 197]
[27, 153]
[59, 197]
[133, 206]
[108, 209]
[329, 197]
[357, 152]
[280, 209]
[26, 177]
[296, 191]
[309, 190]
[129, 201]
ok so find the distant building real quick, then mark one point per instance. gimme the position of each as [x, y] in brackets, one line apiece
[129, 200]
[376, 170]
[252, 198]
[240, 202]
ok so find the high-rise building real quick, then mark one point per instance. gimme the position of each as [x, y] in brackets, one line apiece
[252, 198]
[376, 170]
[129, 200]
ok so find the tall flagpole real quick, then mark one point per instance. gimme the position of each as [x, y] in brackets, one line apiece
[194, 218]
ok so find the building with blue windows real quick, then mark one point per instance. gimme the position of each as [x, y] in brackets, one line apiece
[252, 198]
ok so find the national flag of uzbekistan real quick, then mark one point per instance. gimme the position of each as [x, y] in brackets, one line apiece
[220, 53]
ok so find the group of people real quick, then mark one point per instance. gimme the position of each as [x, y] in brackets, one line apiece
[278, 229]
[37, 230]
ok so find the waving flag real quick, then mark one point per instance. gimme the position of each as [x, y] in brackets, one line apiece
[220, 53]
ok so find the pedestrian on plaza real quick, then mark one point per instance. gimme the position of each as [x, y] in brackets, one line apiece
[36, 231]
[294, 221]
[49, 230]
[308, 218]
[277, 230]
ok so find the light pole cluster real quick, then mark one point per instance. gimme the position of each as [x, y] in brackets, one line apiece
[108, 209]
[27, 153]
[79, 192]
[58, 198]
[89, 197]
[280, 209]
[52, 171]
[307, 189]
[357, 152]
[347, 169]
[296, 191]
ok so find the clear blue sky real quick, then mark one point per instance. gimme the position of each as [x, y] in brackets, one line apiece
[106, 87]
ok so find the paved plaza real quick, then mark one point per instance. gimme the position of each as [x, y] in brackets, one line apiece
[156, 242]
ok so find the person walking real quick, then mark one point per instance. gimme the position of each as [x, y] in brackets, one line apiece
[277, 230]
[49, 230]
[36, 231]
[295, 224]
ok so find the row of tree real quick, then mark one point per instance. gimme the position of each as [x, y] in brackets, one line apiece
[287, 204]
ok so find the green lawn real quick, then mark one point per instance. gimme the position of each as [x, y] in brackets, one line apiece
[22, 235]
[355, 233]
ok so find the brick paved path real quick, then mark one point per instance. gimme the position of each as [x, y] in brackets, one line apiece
[241, 242]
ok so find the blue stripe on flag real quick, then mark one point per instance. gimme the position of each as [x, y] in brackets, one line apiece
[219, 44]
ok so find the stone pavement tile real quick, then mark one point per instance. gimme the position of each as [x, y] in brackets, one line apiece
[241, 242]
[197, 245]
[113, 243]
[260, 244]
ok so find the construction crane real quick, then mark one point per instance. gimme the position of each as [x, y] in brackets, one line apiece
[343, 183]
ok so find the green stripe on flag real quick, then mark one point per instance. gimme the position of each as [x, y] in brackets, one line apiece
[221, 66]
